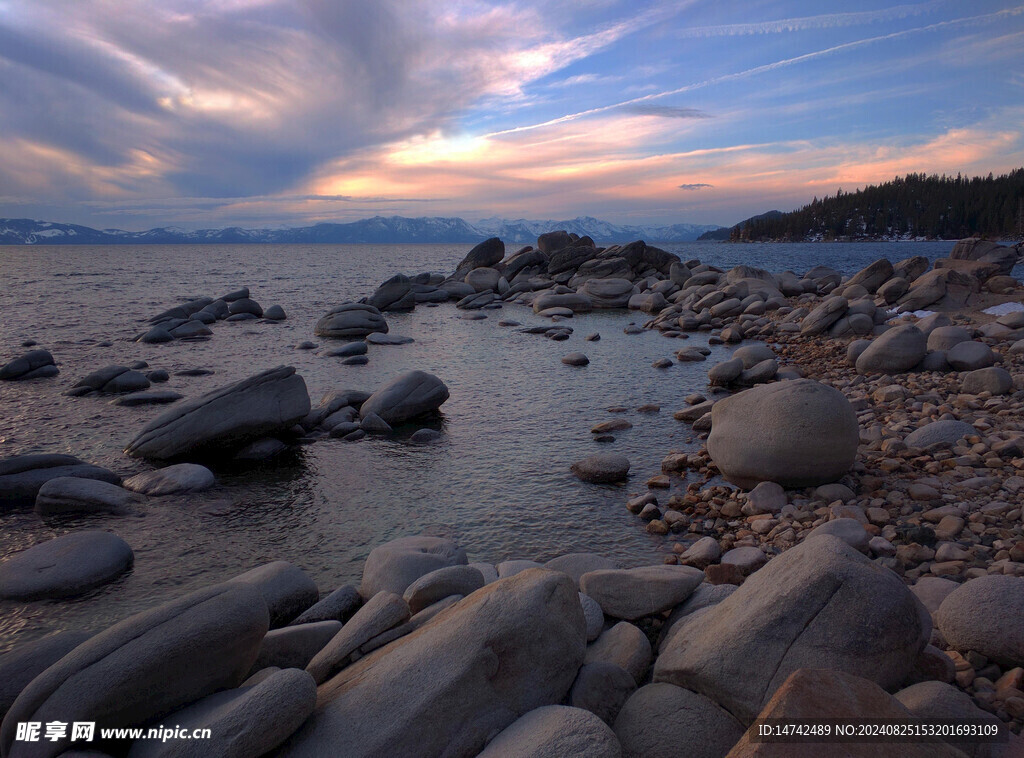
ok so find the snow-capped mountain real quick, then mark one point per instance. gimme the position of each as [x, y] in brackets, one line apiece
[379, 229]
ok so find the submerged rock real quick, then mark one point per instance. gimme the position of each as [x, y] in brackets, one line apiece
[602, 468]
[36, 364]
[405, 397]
[21, 476]
[65, 567]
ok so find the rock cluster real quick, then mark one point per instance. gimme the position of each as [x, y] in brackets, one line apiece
[192, 320]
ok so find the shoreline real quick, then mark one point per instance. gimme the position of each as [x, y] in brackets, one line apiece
[881, 472]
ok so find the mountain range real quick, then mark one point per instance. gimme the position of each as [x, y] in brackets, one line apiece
[379, 229]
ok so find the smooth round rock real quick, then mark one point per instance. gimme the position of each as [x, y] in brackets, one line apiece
[984, 615]
[895, 351]
[575, 359]
[602, 468]
[993, 379]
[68, 494]
[555, 731]
[939, 433]
[65, 567]
[172, 480]
[967, 356]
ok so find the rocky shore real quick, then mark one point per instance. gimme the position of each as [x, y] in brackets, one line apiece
[845, 541]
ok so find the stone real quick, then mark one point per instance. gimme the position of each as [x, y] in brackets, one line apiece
[395, 294]
[487, 253]
[575, 359]
[555, 731]
[753, 354]
[829, 493]
[577, 302]
[849, 530]
[983, 615]
[147, 398]
[147, 665]
[893, 289]
[895, 351]
[702, 553]
[293, 647]
[705, 596]
[483, 279]
[797, 433]
[285, 588]
[817, 695]
[36, 364]
[425, 436]
[227, 417]
[612, 425]
[936, 701]
[828, 312]
[338, 606]
[593, 615]
[985, 251]
[261, 449]
[347, 350]
[946, 337]
[603, 468]
[381, 612]
[608, 292]
[244, 722]
[766, 497]
[65, 566]
[442, 583]
[872, 276]
[625, 646]
[27, 661]
[511, 568]
[926, 290]
[172, 480]
[939, 433]
[633, 593]
[576, 565]
[21, 476]
[994, 379]
[660, 718]
[763, 372]
[393, 566]
[275, 313]
[371, 423]
[602, 689]
[519, 643]
[351, 321]
[746, 559]
[725, 372]
[377, 338]
[819, 604]
[967, 356]
[407, 396]
[69, 494]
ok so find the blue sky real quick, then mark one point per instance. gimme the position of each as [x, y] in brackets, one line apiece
[264, 112]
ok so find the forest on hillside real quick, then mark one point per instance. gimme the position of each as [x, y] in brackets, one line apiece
[915, 206]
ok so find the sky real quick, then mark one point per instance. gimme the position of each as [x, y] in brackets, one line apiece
[201, 114]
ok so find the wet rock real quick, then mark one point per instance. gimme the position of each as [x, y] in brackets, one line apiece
[393, 566]
[575, 359]
[602, 468]
[172, 480]
[262, 449]
[286, 589]
[36, 364]
[351, 321]
[69, 494]
[407, 396]
[21, 476]
[66, 566]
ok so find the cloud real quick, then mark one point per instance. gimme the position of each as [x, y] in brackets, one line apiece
[692, 187]
[665, 111]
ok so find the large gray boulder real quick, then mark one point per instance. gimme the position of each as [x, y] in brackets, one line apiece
[602, 468]
[172, 480]
[245, 722]
[293, 647]
[226, 418]
[286, 590]
[945, 337]
[405, 397]
[820, 604]
[936, 701]
[508, 648]
[555, 731]
[970, 355]
[351, 321]
[484, 279]
[145, 667]
[395, 294]
[441, 583]
[608, 293]
[828, 312]
[487, 253]
[984, 615]
[577, 302]
[633, 593]
[65, 566]
[382, 612]
[798, 433]
[872, 276]
[21, 476]
[985, 251]
[660, 717]
[393, 566]
[35, 364]
[70, 494]
[551, 242]
[894, 351]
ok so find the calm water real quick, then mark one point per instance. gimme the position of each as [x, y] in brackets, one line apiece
[499, 482]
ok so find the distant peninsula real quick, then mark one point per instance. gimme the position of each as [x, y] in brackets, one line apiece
[377, 230]
[916, 206]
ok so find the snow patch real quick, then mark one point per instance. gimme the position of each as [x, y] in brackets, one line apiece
[1004, 308]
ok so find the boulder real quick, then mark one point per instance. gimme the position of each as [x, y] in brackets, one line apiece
[820, 604]
[938, 701]
[725, 372]
[286, 590]
[893, 289]
[393, 566]
[509, 648]
[993, 379]
[985, 251]
[797, 433]
[602, 689]
[625, 646]
[633, 593]
[968, 356]
[753, 354]
[910, 268]
[36, 364]
[872, 276]
[945, 337]
[483, 279]
[66, 566]
[27, 661]
[351, 321]
[442, 583]
[555, 731]
[226, 418]
[659, 718]
[569, 259]
[68, 494]
[829, 311]
[394, 294]
[577, 564]
[110, 380]
[608, 293]
[146, 666]
[338, 606]
[575, 359]
[274, 313]
[894, 351]
[294, 646]
[812, 695]
[21, 476]
[577, 302]
[983, 615]
[172, 480]
[926, 290]
[603, 468]
[487, 253]
[407, 396]
[382, 612]
[945, 432]
[849, 530]
[244, 722]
